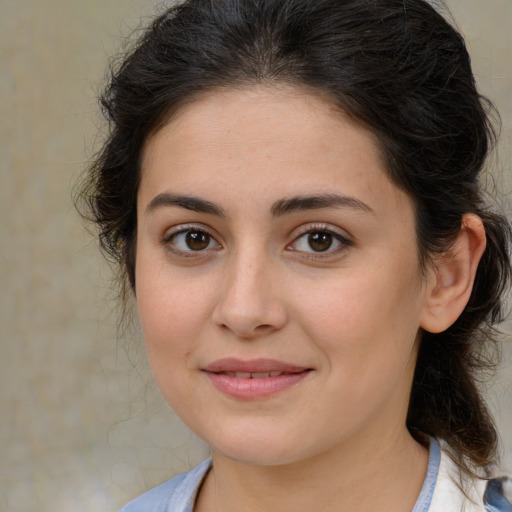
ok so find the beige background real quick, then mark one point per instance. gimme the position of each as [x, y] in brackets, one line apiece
[82, 427]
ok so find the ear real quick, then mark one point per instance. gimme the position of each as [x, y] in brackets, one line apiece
[452, 276]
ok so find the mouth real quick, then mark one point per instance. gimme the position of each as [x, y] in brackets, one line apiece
[255, 367]
[254, 379]
[254, 375]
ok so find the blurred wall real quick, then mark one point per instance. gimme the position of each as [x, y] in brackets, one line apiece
[82, 427]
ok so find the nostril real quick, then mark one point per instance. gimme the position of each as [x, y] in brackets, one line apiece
[264, 327]
[250, 333]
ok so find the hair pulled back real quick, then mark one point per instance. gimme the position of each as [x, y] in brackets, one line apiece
[401, 70]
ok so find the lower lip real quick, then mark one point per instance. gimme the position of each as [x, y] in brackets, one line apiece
[253, 389]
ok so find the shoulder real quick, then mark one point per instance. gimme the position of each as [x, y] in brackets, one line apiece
[175, 495]
[497, 499]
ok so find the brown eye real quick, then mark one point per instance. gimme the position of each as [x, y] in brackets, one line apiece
[197, 240]
[192, 240]
[320, 241]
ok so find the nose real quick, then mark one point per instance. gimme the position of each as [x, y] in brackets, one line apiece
[248, 305]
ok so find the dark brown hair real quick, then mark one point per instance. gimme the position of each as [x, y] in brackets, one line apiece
[400, 69]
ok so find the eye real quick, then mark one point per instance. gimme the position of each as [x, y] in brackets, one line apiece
[317, 241]
[191, 240]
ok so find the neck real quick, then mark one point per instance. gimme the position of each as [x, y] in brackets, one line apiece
[386, 476]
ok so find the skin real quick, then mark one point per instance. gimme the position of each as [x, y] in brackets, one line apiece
[351, 314]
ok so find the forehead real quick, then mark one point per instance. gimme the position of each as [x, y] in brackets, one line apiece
[265, 139]
[239, 111]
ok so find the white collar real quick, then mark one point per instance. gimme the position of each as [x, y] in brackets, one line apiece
[454, 492]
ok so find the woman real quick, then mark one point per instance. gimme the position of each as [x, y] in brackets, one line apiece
[291, 190]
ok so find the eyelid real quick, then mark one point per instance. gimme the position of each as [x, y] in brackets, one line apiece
[320, 226]
[340, 235]
[183, 228]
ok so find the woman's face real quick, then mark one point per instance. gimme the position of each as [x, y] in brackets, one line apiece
[277, 277]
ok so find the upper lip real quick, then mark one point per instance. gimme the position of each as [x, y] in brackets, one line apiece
[231, 364]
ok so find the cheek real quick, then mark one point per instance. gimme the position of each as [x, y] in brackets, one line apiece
[369, 347]
[172, 311]
[359, 304]
[366, 323]
[171, 320]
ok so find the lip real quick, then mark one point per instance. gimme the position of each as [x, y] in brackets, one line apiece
[231, 364]
[223, 375]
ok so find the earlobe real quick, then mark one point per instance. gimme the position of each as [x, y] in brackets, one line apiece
[453, 275]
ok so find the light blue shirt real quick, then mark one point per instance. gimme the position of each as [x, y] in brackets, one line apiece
[179, 493]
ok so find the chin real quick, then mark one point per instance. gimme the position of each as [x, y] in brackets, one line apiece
[257, 448]
[254, 455]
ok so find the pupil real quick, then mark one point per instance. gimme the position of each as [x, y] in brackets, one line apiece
[319, 241]
[197, 240]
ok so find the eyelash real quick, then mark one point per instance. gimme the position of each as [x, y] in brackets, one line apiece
[333, 237]
[169, 238]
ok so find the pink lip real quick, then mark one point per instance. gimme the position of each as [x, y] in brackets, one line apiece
[221, 372]
[232, 364]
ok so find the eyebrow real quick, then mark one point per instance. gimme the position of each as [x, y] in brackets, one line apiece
[278, 209]
[314, 202]
[191, 203]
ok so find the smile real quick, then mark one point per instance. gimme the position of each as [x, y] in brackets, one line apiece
[255, 375]
[256, 379]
